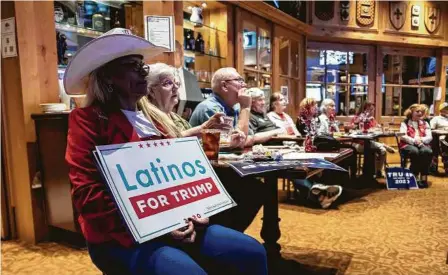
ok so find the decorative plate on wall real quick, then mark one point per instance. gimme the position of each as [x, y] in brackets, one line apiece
[365, 12]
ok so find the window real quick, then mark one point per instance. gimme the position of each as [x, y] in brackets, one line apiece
[407, 80]
[257, 57]
[339, 75]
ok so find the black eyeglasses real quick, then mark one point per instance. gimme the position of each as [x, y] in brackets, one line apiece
[239, 80]
[137, 66]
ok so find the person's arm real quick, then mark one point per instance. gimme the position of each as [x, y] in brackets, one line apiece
[428, 135]
[433, 122]
[263, 137]
[405, 137]
[214, 122]
[323, 127]
[90, 195]
[293, 125]
[245, 102]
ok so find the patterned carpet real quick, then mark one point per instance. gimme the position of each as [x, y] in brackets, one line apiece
[372, 231]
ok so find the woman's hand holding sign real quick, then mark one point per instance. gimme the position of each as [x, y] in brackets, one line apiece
[186, 234]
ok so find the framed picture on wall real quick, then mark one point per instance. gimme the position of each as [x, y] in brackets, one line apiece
[285, 92]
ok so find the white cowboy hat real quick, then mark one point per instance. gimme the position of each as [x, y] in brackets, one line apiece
[113, 44]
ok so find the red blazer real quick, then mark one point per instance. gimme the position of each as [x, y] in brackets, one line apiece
[99, 218]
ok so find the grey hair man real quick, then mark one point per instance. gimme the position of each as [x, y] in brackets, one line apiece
[229, 97]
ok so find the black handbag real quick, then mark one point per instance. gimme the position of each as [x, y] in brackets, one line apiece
[326, 143]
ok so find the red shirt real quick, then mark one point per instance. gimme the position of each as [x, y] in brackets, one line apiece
[98, 217]
[289, 128]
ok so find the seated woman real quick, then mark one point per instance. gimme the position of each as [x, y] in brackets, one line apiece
[329, 126]
[415, 143]
[440, 122]
[115, 81]
[307, 123]
[277, 106]
[365, 120]
[163, 95]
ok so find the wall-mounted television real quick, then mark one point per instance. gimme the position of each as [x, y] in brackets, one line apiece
[335, 57]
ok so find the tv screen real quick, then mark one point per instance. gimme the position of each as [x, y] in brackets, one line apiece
[335, 57]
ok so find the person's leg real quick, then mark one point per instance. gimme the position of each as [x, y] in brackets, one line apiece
[148, 258]
[411, 151]
[443, 152]
[322, 194]
[425, 156]
[380, 159]
[234, 250]
[436, 146]
[248, 193]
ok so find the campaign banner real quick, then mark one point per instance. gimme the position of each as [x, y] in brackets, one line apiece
[245, 168]
[158, 184]
[400, 178]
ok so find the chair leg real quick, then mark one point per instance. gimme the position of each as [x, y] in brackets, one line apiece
[288, 188]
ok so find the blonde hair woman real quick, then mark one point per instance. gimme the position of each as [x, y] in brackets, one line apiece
[415, 143]
[163, 95]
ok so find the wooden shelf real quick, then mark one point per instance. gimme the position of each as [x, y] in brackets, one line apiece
[196, 54]
[78, 30]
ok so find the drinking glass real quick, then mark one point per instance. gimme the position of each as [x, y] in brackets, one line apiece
[210, 143]
[226, 134]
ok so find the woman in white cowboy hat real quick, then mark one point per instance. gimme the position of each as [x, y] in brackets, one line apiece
[111, 71]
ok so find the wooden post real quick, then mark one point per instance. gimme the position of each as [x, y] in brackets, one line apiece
[441, 77]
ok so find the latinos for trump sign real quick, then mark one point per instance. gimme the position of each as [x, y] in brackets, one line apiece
[159, 184]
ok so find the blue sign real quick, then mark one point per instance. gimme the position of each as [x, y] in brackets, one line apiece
[400, 178]
[244, 168]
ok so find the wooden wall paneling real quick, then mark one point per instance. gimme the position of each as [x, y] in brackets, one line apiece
[167, 8]
[302, 72]
[275, 15]
[239, 51]
[382, 32]
[38, 63]
[371, 72]
[441, 77]
[14, 134]
[408, 51]
[276, 34]
[231, 26]
[377, 74]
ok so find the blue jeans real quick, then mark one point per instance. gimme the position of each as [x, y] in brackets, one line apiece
[216, 249]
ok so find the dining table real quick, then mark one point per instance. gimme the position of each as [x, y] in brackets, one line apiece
[270, 231]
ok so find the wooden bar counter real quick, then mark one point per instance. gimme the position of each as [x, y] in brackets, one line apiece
[51, 136]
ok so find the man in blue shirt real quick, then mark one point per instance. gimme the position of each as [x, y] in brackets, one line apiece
[229, 97]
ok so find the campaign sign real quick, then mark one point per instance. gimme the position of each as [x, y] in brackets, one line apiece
[400, 178]
[158, 184]
[245, 168]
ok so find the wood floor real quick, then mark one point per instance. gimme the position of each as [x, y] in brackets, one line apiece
[369, 231]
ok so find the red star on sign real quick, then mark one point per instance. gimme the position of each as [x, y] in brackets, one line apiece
[167, 143]
[148, 145]
[140, 145]
[161, 143]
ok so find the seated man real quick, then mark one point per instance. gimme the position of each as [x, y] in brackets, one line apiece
[230, 97]
[259, 123]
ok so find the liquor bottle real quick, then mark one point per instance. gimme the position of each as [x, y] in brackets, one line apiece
[117, 23]
[98, 22]
[80, 13]
[190, 41]
[199, 44]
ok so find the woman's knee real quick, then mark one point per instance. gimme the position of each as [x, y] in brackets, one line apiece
[172, 261]
[234, 247]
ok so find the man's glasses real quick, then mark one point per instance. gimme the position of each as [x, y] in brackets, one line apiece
[239, 80]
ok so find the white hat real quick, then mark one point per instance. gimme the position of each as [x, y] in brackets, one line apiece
[113, 44]
[255, 92]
